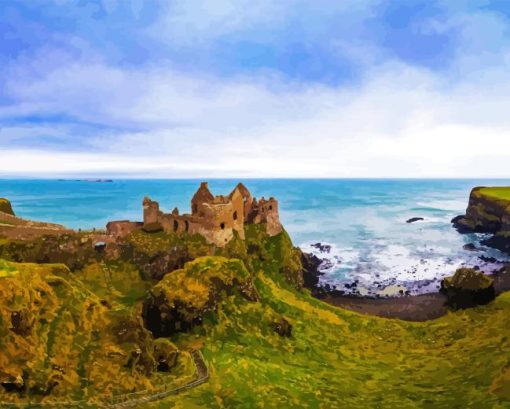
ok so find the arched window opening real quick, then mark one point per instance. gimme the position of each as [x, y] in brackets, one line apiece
[186, 225]
[235, 215]
[176, 225]
[222, 226]
[270, 207]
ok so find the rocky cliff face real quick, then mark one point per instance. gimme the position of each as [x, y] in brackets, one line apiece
[488, 212]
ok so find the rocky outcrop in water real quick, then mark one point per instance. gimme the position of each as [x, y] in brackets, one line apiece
[414, 219]
[488, 212]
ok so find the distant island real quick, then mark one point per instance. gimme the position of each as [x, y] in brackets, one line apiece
[87, 180]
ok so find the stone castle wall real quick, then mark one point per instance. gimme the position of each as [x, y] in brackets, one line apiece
[214, 217]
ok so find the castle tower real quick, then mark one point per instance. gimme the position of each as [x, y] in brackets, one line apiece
[150, 211]
[247, 200]
[237, 210]
[202, 195]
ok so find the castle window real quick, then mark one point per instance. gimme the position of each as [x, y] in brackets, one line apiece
[222, 225]
[176, 225]
[270, 207]
[186, 225]
[235, 215]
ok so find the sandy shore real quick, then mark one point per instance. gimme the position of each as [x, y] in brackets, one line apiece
[410, 308]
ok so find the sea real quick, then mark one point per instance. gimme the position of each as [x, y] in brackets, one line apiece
[356, 226]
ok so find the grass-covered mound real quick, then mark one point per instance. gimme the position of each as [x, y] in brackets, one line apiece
[184, 297]
[336, 358]
[60, 341]
[5, 206]
[467, 288]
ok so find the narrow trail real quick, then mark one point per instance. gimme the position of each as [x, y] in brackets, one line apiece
[202, 377]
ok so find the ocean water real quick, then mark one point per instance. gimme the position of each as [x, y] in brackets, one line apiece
[361, 224]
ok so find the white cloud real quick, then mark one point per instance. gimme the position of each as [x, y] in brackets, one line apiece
[400, 121]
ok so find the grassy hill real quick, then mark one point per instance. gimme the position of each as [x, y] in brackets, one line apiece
[62, 341]
[70, 335]
[337, 358]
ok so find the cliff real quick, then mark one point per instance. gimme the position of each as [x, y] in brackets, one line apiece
[6, 207]
[488, 212]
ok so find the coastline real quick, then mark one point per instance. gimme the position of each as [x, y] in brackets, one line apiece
[420, 307]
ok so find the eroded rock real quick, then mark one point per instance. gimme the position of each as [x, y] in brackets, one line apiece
[468, 288]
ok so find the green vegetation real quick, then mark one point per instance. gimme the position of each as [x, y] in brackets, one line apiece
[337, 358]
[5, 206]
[268, 343]
[59, 340]
[501, 193]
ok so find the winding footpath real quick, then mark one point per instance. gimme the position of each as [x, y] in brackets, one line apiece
[202, 377]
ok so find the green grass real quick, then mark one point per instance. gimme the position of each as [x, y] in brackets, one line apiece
[336, 358]
[501, 193]
[72, 337]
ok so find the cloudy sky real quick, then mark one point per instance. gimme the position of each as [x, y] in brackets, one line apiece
[238, 88]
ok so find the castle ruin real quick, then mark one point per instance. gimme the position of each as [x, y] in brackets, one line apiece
[214, 217]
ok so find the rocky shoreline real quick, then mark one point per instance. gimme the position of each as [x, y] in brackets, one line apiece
[420, 307]
[486, 213]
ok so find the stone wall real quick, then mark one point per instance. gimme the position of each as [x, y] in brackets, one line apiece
[122, 228]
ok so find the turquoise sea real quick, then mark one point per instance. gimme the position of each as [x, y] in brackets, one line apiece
[362, 222]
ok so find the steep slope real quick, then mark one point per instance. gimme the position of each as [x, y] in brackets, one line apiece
[336, 358]
[59, 341]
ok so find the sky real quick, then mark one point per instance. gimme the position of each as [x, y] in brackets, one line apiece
[237, 88]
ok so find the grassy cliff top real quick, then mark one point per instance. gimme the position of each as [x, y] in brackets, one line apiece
[500, 193]
[5, 206]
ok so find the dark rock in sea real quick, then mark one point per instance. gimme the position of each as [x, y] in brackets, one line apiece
[457, 219]
[462, 225]
[326, 264]
[323, 248]
[470, 247]
[282, 327]
[499, 241]
[311, 271]
[468, 288]
[415, 219]
[489, 259]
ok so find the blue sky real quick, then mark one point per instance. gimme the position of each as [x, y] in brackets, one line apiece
[195, 88]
